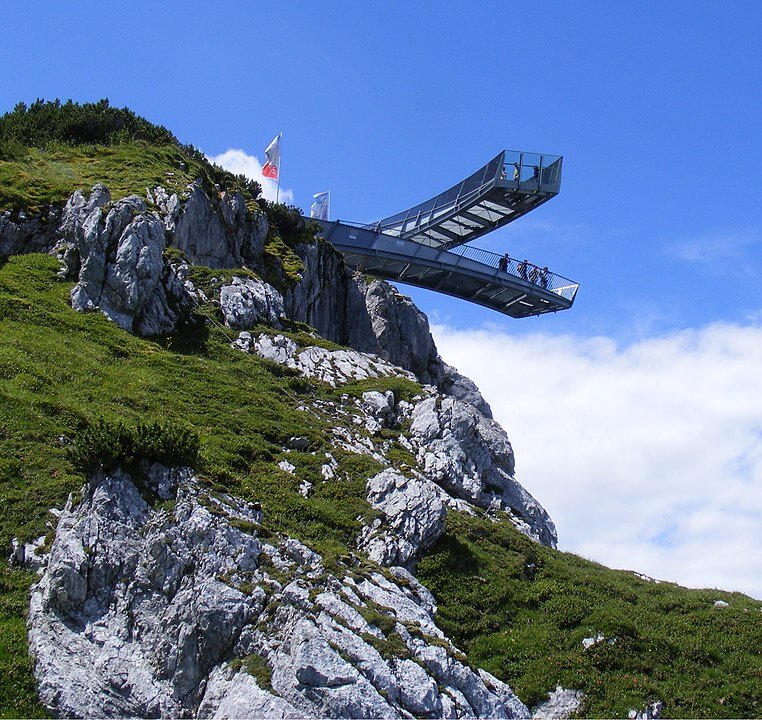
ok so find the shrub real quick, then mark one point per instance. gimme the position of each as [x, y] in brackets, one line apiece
[89, 123]
[107, 445]
[287, 222]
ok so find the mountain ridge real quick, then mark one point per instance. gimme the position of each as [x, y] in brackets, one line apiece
[392, 440]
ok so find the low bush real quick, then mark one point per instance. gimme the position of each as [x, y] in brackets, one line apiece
[107, 445]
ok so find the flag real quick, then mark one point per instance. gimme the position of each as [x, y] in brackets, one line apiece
[272, 164]
[319, 209]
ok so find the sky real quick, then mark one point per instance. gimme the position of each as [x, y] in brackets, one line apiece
[635, 416]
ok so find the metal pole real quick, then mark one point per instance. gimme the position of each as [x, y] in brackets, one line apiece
[280, 157]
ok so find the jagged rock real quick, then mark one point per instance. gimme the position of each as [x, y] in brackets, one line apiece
[330, 366]
[414, 512]
[463, 389]
[471, 457]
[143, 612]
[118, 262]
[561, 704]
[371, 317]
[20, 233]
[249, 302]
[319, 298]
[130, 615]
[402, 331]
[232, 694]
[218, 232]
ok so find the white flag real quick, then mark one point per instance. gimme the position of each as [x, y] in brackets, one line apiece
[319, 209]
[272, 164]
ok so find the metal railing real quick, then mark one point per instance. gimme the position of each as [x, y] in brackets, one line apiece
[532, 172]
[498, 265]
[409, 220]
[523, 269]
[511, 169]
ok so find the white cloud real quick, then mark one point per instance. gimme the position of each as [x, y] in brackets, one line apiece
[238, 162]
[648, 457]
[718, 249]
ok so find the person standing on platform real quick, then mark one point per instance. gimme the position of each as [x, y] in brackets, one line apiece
[523, 270]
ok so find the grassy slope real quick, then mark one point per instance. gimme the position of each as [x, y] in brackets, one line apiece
[521, 611]
[50, 176]
[62, 370]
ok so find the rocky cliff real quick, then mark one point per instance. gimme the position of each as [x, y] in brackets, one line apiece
[165, 598]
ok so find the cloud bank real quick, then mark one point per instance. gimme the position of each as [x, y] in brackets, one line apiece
[238, 162]
[648, 457]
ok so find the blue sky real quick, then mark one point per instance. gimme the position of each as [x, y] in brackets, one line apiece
[656, 108]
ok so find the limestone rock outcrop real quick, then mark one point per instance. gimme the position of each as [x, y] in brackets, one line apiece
[21, 232]
[414, 510]
[183, 610]
[472, 458]
[219, 232]
[248, 302]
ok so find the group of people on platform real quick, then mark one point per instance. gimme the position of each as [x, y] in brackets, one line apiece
[517, 172]
[527, 271]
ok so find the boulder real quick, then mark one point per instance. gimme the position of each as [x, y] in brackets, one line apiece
[414, 512]
[248, 302]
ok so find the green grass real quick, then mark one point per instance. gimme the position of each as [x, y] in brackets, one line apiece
[64, 371]
[48, 177]
[521, 611]
[41, 177]
[518, 609]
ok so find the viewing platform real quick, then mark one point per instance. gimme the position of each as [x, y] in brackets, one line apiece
[463, 272]
[425, 246]
[507, 187]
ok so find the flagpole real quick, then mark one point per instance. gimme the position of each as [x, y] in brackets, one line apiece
[328, 213]
[280, 162]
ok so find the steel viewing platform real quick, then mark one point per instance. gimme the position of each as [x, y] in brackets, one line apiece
[425, 245]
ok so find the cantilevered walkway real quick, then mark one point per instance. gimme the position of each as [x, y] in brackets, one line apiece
[426, 246]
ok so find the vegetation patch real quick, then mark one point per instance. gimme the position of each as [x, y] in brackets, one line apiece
[402, 388]
[50, 149]
[521, 611]
[106, 445]
[257, 667]
[76, 377]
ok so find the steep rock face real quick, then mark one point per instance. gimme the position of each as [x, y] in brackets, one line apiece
[471, 457]
[117, 259]
[402, 331]
[219, 232]
[461, 453]
[319, 298]
[369, 316]
[157, 611]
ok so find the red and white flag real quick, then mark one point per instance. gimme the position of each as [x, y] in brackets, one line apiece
[272, 164]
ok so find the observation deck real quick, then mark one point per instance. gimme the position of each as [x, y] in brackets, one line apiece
[507, 187]
[426, 246]
[463, 272]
